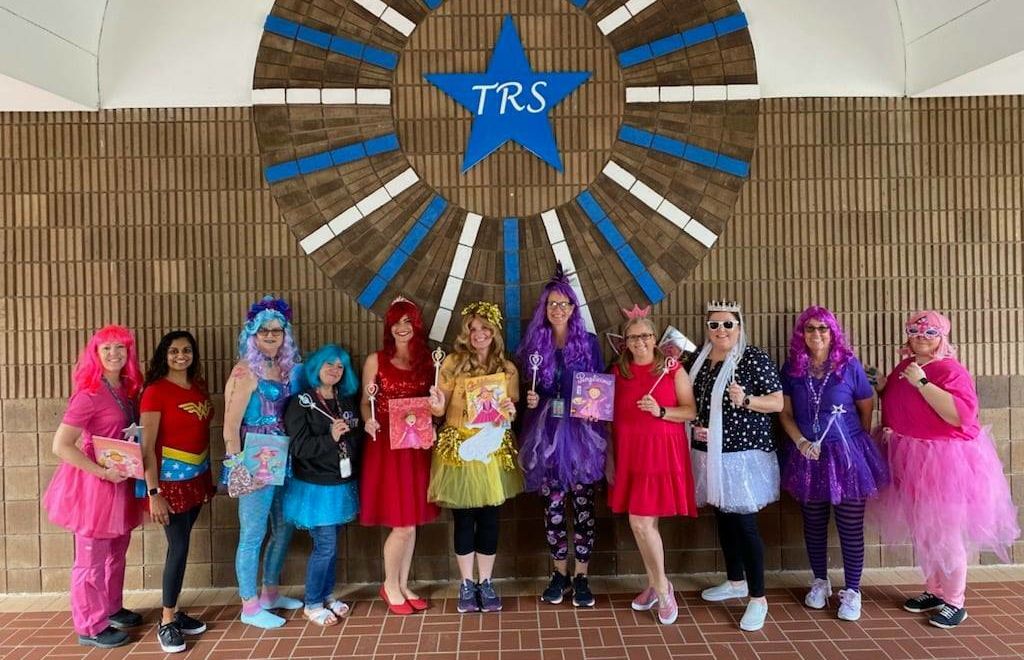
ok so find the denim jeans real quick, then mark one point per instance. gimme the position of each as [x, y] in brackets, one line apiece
[320, 569]
[254, 512]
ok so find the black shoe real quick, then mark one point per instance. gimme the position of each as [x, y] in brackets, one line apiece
[557, 588]
[108, 638]
[926, 602]
[581, 594]
[188, 625]
[171, 639]
[123, 619]
[949, 617]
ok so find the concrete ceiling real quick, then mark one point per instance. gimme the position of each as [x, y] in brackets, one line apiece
[88, 54]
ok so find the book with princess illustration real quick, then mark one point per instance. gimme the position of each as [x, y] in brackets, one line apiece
[411, 424]
[593, 396]
[484, 395]
[122, 455]
[266, 457]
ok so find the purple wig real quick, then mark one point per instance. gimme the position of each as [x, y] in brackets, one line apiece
[539, 337]
[287, 356]
[839, 353]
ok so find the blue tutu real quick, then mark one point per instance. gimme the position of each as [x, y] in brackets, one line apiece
[309, 505]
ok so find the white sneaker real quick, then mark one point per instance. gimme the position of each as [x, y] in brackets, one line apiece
[817, 597]
[753, 618]
[724, 591]
[849, 605]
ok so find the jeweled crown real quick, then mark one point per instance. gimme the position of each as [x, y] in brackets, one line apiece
[723, 306]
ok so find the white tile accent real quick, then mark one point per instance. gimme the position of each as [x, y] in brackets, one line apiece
[637, 6]
[709, 93]
[345, 219]
[470, 229]
[691, 93]
[614, 20]
[303, 95]
[375, 7]
[451, 292]
[270, 96]
[440, 326]
[316, 240]
[373, 201]
[401, 182]
[398, 21]
[368, 96]
[560, 248]
[662, 206]
[456, 273]
[677, 94]
[642, 95]
[552, 226]
[743, 92]
[460, 262]
[338, 95]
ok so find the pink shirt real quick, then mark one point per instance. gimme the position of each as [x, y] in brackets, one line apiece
[906, 412]
[95, 414]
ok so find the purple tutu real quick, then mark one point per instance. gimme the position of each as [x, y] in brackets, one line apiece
[850, 468]
[562, 451]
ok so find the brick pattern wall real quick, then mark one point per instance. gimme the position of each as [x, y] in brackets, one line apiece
[159, 219]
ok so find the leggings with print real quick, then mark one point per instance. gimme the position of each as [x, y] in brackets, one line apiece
[581, 497]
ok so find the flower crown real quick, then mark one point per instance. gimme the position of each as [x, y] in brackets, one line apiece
[273, 304]
[486, 310]
[723, 306]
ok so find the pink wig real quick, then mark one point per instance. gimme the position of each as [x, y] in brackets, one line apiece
[930, 319]
[89, 370]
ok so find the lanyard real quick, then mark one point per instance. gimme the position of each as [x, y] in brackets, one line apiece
[127, 410]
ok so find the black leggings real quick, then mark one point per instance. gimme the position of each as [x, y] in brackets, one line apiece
[743, 549]
[476, 530]
[179, 533]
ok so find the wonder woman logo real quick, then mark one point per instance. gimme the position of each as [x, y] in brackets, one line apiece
[200, 410]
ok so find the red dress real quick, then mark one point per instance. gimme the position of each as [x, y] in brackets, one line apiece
[652, 456]
[393, 482]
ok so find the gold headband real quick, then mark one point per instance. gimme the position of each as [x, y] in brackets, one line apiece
[485, 310]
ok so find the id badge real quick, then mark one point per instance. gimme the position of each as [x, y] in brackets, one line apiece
[558, 407]
[345, 467]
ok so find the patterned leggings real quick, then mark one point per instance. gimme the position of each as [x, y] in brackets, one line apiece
[583, 527]
[849, 524]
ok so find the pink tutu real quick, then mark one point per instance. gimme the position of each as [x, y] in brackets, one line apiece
[90, 506]
[946, 496]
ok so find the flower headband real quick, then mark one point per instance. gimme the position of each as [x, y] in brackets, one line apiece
[270, 303]
[485, 310]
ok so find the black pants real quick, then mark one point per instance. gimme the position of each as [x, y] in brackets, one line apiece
[179, 534]
[743, 549]
[476, 530]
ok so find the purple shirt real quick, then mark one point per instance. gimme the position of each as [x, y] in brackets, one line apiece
[846, 390]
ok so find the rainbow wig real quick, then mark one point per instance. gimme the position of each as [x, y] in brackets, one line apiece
[930, 319]
[539, 337]
[88, 373]
[265, 310]
[348, 385]
[839, 352]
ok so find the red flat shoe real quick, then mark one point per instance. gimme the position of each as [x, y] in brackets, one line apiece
[401, 609]
[418, 604]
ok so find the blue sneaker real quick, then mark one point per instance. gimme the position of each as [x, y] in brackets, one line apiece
[468, 601]
[489, 599]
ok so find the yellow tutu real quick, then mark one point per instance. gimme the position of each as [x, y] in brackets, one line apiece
[461, 484]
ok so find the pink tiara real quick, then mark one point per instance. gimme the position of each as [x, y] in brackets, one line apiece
[636, 312]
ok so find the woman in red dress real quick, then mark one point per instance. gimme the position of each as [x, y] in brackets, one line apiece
[648, 464]
[393, 482]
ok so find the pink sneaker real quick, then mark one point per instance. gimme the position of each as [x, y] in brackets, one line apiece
[668, 611]
[647, 599]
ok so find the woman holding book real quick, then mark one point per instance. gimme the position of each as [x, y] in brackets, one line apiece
[474, 467]
[322, 495]
[176, 416]
[96, 503]
[562, 456]
[648, 461]
[393, 481]
[266, 374]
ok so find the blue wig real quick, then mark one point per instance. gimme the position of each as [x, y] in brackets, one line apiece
[349, 384]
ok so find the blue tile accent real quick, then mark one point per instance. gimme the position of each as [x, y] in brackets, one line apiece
[313, 37]
[685, 151]
[382, 144]
[433, 4]
[282, 171]
[606, 226]
[347, 47]
[579, 3]
[332, 158]
[380, 57]
[281, 26]
[510, 247]
[685, 39]
[348, 154]
[405, 249]
[315, 162]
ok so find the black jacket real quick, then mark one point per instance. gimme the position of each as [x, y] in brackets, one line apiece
[315, 454]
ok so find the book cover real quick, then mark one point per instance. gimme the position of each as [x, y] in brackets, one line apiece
[266, 457]
[484, 395]
[593, 396]
[122, 455]
[411, 424]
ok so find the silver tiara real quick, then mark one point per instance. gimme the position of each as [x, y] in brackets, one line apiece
[723, 306]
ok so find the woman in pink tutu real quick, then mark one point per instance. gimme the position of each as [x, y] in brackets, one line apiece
[948, 496]
[98, 504]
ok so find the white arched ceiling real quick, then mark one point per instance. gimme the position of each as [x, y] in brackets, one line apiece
[73, 54]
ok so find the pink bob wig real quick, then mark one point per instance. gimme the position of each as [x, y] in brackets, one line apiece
[929, 319]
[88, 372]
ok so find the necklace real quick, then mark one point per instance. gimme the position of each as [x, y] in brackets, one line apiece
[815, 396]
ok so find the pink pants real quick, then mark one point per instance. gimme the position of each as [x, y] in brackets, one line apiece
[97, 581]
[950, 586]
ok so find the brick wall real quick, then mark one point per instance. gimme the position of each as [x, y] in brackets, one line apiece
[159, 219]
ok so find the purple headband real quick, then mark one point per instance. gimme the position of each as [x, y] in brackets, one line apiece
[274, 304]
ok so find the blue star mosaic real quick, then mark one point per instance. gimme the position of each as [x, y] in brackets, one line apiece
[509, 101]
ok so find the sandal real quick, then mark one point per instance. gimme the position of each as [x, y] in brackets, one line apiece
[340, 608]
[320, 616]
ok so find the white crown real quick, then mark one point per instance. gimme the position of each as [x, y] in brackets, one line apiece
[723, 306]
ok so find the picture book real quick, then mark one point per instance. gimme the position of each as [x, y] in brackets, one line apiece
[266, 457]
[122, 455]
[411, 423]
[484, 395]
[593, 396]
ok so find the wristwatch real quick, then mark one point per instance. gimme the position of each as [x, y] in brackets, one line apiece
[661, 412]
[922, 381]
[154, 491]
[746, 401]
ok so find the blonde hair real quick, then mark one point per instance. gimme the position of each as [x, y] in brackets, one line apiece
[465, 355]
[627, 355]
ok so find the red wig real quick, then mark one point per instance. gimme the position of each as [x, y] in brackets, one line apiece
[418, 349]
[89, 370]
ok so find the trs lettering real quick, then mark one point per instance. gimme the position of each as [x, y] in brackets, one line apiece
[509, 93]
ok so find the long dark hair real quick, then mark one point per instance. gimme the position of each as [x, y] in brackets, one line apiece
[158, 368]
